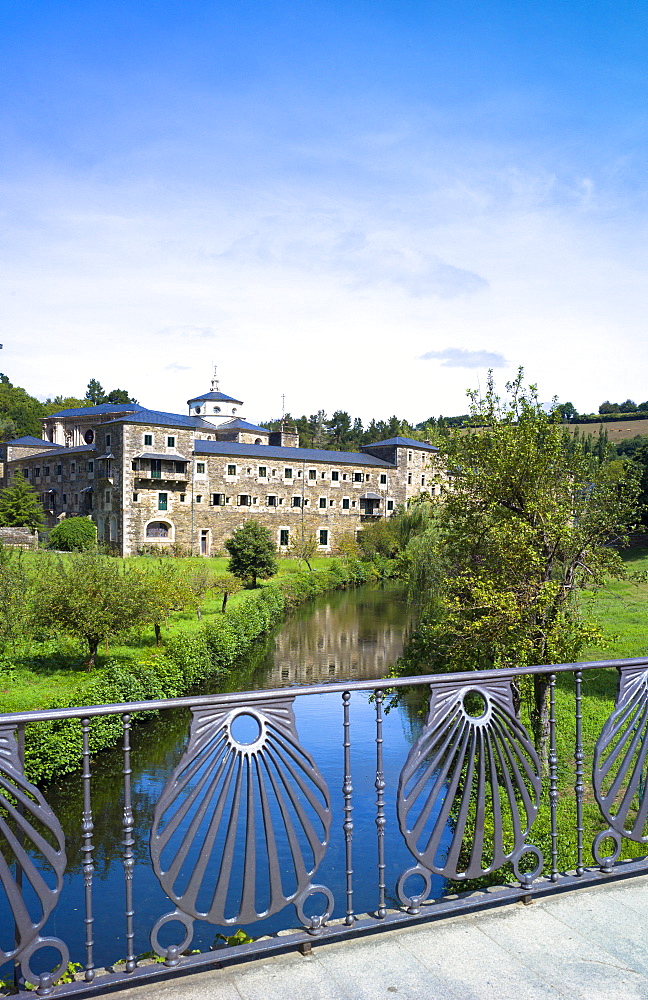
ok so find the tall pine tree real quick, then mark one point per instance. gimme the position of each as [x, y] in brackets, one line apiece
[19, 505]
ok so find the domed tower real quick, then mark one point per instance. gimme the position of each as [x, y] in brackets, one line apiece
[214, 406]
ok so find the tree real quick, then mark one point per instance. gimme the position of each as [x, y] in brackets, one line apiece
[119, 396]
[226, 584]
[608, 407]
[20, 506]
[567, 411]
[14, 596]
[91, 597]
[164, 590]
[73, 534]
[95, 393]
[19, 409]
[252, 553]
[531, 517]
[303, 546]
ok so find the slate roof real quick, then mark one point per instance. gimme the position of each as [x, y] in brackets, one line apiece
[401, 442]
[216, 397]
[92, 410]
[32, 442]
[56, 451]
[290, 455]
[159, 417]
[242, 425]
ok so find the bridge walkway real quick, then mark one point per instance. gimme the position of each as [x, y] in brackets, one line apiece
[586, 945]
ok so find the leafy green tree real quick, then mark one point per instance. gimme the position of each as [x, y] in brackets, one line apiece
[20, 409]
[73, 534]
[165, 589]
[95, 393]
[608, 407]
[91, 597]
[15, 592]
[119, 396]
[567, 411]
[530, 518]
[303, 546]
[226, 584]
[19, 505]
[64, 403]
[379, 539]
[252, 553]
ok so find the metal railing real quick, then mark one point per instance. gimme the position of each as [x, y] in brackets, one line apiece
[244, 821]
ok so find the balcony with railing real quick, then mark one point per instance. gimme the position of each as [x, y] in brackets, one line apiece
[250, 825]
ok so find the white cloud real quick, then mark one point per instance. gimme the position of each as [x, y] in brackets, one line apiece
[456, 357]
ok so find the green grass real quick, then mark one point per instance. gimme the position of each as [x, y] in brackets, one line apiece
[36, 674]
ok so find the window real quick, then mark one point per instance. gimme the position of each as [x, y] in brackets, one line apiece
[170, 442]
[134, 465]
[312, 473]
[296, 501]
[383, 479]
[422, 480]
[345, 503]
[179, 467]
[59, 470]
[357, 477]
[148, 440]
[335, 475]
[200, 468]
[249, 472]
[162, 501]
[409, 456]
[231, 470]
[263, 472]
[409, 478]
[157, 529]
[218, 499]
[284, 536]
[135, 497]
[344, 475]
[299, 474]
[217, 409]
[26, 473]
[287, 473]
[199, 498]
[90, 468]
[183, 497]
[65, 497]
[156, 468]
[367, 477]
[37, 472]
[323, 504]
[244, 500]
[106, 496]
[390, 505]
[323, 536]
[47, 472]
[271, 501]
[108, 440]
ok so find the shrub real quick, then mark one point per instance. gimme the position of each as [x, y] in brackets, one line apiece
[73, 534]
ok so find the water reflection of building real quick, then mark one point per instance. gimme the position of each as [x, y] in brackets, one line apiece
[329, 645]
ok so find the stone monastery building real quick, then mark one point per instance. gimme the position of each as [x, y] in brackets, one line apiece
[152, 478]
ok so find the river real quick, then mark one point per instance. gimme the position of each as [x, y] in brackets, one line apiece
[349, 635]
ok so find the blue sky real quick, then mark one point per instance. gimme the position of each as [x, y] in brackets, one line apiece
[362, 205]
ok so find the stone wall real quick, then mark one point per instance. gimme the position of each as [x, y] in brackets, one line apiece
[22, 537]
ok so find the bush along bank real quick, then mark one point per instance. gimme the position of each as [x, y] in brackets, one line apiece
[54, 748]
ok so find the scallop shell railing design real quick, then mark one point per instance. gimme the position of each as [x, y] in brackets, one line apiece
[620, 767]
[470, 789]
[240, 827]
[32, 859]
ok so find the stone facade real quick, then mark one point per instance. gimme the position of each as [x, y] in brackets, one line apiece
[19, 537]
[149, 478]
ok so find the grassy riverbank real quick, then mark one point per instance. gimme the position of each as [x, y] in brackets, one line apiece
[192, 653]
[37, 674]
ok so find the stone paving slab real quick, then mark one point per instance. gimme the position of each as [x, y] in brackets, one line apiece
[590, 944]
